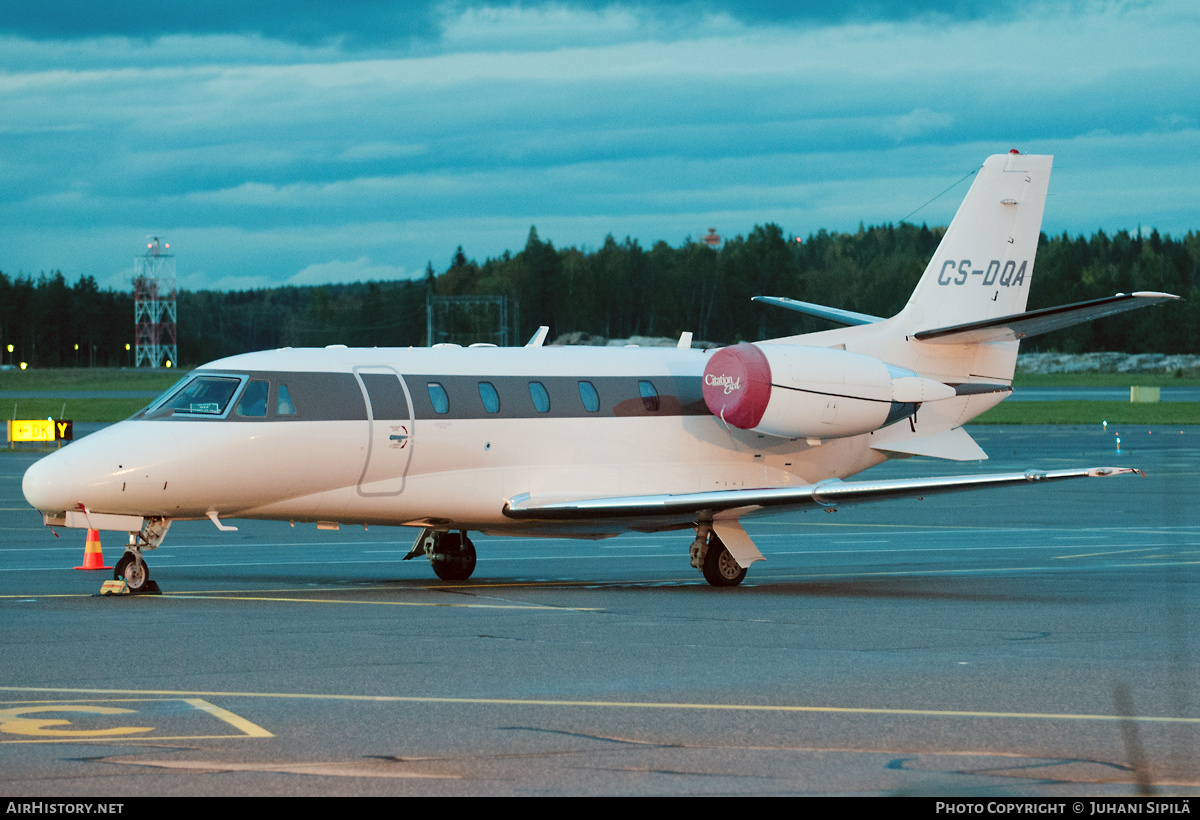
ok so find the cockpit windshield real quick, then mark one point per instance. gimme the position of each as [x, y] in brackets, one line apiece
[162, 397]
[197, 396]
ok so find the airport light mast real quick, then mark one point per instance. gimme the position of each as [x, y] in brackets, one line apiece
[154, 312]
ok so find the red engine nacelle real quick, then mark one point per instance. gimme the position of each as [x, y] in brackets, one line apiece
[795, 391]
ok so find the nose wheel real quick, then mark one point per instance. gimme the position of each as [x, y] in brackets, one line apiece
[133, 571]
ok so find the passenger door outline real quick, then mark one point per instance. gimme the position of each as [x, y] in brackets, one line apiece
[389, 440]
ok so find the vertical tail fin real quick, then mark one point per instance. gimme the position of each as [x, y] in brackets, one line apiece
[984, 264]
[981, 270]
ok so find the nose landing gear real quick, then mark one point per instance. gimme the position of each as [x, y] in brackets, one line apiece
[133, 571]
[132, 568]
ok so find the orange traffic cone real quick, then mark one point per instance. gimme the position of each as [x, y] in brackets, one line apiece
[93, 556]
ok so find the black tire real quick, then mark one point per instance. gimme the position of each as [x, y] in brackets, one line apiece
[720, 569]
[454, 557]
[133, 572]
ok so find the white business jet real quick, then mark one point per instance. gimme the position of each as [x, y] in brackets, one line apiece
[590, 442]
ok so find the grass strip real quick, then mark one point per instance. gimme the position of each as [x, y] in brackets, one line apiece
[88, 378]
[1103, 380]
[1091, 412]
[82, 410]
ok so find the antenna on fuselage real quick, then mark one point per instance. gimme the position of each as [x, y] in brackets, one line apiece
[539, 337]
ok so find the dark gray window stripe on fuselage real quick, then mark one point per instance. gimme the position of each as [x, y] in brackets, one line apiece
[337, 396]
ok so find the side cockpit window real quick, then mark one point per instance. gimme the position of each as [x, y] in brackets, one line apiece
[283, 402]
[254, 400]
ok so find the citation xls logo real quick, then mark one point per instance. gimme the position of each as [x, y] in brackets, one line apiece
[728, 382]
[1006, 275]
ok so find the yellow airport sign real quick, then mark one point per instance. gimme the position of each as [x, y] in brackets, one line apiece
[40, 430]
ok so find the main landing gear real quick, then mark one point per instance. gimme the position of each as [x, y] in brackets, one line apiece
[712, 558]
[132, 568]
[451, 554]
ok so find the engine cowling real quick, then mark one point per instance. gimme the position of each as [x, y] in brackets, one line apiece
[794, 391]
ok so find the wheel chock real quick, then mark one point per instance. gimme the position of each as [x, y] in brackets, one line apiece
[114, 588]
[122, 588]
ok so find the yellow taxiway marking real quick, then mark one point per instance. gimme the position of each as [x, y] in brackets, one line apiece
[44, 722]
[352, 768]
[235, 597]
[239, 723]
[618, 704]
[1110, 552]
[265, 595]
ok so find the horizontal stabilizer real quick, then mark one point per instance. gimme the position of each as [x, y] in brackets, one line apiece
[953, 445]
[842, 317]
[1034, 322]
[685, 507]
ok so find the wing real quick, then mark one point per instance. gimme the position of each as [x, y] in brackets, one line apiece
[688, 507]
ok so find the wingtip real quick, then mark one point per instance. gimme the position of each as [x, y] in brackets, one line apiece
[1102, 472]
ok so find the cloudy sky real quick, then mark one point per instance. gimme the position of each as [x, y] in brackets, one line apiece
[320, 141]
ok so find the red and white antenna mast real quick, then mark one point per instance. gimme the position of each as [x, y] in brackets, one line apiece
[154, 313]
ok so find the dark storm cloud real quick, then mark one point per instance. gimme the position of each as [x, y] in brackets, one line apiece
[299, 21]
[364, 23]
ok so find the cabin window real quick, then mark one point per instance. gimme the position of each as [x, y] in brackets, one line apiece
[489, 397]
[205, 395]
[438, 398]
[254, 399]
[541, 399]
[649, 396]
[589, 397]
[283, 402]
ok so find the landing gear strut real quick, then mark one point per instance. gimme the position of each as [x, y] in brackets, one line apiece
[712, 558]
[451, 554]
[132, 567]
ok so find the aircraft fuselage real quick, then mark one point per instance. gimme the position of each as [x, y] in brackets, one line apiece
[430, 437]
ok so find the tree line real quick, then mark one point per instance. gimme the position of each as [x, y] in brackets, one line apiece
[617, 290]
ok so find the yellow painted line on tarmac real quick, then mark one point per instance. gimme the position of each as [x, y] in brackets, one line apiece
[43, 721]
[235, 597]
[1108, 552]
[239, 723]
[616, 704]
[55, 595]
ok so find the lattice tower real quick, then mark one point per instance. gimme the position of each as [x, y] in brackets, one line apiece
[154, 311]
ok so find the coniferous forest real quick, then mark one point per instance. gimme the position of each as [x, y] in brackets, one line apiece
[617, 290]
